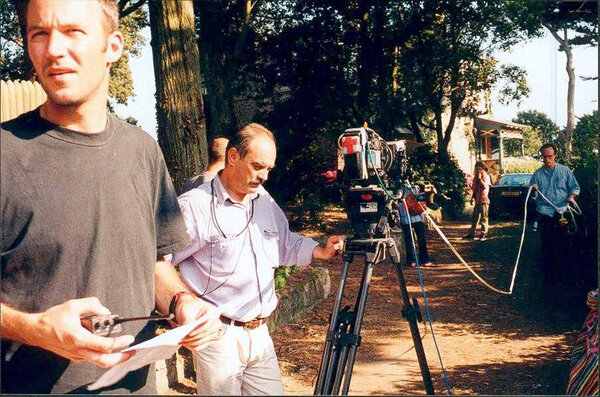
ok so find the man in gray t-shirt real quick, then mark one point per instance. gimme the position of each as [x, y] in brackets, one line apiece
[88, 212]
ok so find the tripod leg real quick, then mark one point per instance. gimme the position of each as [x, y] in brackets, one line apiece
[329, 358]
[411, 312]
[355, 336]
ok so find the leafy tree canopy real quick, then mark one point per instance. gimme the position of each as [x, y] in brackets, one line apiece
[544, 130]
[585, 139]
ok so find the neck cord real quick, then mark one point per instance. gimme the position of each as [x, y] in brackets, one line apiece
[214, 212]
[214, 216]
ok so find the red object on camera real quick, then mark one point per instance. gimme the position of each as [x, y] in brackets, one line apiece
[351, 144]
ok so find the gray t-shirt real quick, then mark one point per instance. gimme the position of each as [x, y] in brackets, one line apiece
[82, 215]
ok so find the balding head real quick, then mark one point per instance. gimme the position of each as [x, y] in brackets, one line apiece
[242, 139]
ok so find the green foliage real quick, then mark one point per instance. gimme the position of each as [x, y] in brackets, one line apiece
[320, 67]
[532, 141]
[585, 140]
[121, 83]
[282, 275]
[556, 15]
[12, 61]
[312, 68]
[543, 128]
[515, 87]
[446, 176]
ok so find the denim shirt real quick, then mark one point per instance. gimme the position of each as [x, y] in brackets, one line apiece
[557, 185]
[235, 248]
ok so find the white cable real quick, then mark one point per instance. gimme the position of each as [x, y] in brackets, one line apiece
[572, 210]
[460, 258]
[575, 208]
[514, 276]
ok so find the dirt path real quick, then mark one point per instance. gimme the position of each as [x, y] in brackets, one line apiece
[489, 343]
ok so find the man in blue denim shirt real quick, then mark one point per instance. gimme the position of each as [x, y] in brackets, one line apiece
[557, 183]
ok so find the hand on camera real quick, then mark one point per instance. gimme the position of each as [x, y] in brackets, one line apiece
[333, 246]
[59, 330]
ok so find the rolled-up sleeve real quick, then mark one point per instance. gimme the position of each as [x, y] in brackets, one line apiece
[572, 184]
[293, 248]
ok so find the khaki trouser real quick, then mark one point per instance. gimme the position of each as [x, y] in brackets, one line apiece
[480, 214]
[239, 362]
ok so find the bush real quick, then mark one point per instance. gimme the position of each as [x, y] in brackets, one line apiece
[446, 176]
[521, 165]
[282, 275]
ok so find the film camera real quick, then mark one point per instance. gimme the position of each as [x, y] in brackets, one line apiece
[374, 170]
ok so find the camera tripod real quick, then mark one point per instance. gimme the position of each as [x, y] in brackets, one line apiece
[343, 335]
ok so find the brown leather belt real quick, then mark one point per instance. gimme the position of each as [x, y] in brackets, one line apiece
[248, 325]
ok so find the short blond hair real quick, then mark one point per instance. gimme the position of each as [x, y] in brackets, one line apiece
[110, 9]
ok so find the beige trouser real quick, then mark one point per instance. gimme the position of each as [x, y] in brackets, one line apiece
[480, 213]
[240, 362]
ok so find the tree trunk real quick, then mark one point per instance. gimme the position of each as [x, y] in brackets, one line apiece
[179, 105]
[214, 59]
[439, 133]
[221, 63]
[567, 134]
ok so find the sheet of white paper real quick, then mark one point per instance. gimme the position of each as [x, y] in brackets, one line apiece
[160, 347]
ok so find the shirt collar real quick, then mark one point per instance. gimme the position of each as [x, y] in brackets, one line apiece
[222, 195]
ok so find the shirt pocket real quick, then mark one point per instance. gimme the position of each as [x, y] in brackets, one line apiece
[270, 245]
[224, 253]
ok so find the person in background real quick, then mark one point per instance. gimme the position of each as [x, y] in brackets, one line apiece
[239, 235]
[557, 183]
[481, 191]
[415, 209]
[88, 212]
[216, 162]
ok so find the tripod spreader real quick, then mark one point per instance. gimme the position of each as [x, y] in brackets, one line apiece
[412, 311]
[343, 335]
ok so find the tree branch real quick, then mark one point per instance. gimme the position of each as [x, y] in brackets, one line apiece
[555, 35]
[132, 8]
[429, 126]
[15, 40]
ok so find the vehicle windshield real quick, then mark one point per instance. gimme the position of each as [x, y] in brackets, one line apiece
[515, 180]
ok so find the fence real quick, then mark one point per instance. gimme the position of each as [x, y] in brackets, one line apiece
[19, 97]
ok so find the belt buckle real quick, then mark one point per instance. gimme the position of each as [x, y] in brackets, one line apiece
[252, 324]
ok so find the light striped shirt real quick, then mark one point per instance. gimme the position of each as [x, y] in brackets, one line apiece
[235, 247]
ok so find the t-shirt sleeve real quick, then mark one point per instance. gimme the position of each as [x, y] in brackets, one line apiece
[193, 216]
[171, 235]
